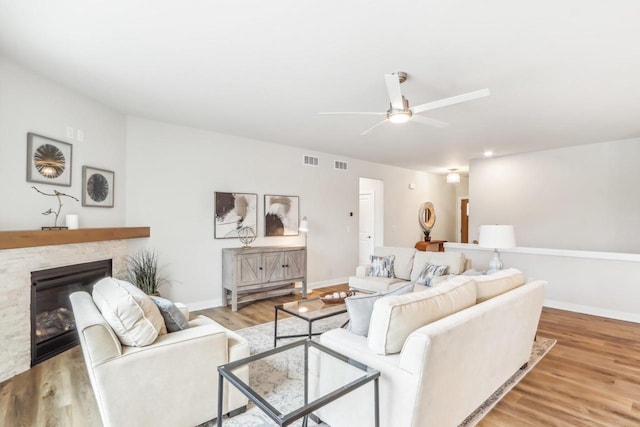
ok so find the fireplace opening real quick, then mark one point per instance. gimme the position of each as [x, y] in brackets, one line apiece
[52, 324]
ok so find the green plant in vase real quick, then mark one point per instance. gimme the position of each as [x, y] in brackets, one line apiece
[427, 235]
[142, 270]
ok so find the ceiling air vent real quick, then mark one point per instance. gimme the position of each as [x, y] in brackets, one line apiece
[343, 166]
[310, 161]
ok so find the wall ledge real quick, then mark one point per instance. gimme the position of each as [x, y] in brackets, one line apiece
[34, 238]
[571, 253]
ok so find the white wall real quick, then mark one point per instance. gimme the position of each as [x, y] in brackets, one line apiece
[29, 103]
[173, 172]
[597, 283]
[582, 197]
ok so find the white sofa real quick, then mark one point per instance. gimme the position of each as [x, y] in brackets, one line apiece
[172, 382]
[408, 265]
[445, 369]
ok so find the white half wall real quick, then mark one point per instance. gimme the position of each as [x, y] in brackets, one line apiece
[597, 283]
[30, 103]
[582, 197]
[173, 172]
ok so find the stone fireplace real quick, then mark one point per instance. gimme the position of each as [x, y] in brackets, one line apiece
[16, 266]
[52, 323]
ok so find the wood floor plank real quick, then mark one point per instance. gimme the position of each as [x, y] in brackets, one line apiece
[591, 377]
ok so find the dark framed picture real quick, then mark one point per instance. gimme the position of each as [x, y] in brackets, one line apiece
[281, 215]
[97, 187]
[233, 212]
[48, 160]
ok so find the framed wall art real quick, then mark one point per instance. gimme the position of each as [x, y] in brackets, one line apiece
[48, 160]
[234, 211]
[97, 187]
[281, 215]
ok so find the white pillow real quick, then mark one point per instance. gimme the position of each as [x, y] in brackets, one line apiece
[455, 260]
[492, 285]
[394, 318]
[132, 315]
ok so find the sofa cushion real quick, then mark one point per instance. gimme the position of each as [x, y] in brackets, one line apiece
[360, 307]
[132, 315]
[403, 261]
[455, 261]
[382, 266]
[394, 318]
[492, 285]
[174, 320]
[429, 272]
[373, 284]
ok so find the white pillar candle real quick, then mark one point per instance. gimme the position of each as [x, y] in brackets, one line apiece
[71, 221]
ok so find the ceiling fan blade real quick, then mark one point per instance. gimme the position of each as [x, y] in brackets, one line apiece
[395, 94]
[450, 101]
[429, 121]
[373, 127]
[353, 112]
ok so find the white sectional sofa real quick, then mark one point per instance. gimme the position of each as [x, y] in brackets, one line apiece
[441, 352]
[408, 265]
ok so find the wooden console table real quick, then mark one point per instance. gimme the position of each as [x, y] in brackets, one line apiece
[262, 272]
[432, 246]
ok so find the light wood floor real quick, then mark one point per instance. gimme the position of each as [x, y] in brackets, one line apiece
[591, 377]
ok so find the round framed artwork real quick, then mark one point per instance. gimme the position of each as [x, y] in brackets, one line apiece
[97, 187]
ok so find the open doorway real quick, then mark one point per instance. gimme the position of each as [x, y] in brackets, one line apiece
[371, 218]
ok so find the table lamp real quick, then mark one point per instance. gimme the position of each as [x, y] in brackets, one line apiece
[496, 237]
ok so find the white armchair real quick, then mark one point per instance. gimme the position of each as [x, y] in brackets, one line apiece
[172, 382]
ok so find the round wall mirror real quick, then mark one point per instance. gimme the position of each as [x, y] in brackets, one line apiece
[427, 216]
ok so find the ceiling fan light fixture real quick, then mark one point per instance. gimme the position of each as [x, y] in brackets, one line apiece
[399, 116]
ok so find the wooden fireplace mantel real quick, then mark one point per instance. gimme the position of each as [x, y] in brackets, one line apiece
[32, 238]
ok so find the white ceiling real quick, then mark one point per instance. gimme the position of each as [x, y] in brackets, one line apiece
[560, 72]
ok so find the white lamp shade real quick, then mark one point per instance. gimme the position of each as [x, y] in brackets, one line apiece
[304, 225]
[497, 236]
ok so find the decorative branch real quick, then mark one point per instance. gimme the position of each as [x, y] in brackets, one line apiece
[57, 194]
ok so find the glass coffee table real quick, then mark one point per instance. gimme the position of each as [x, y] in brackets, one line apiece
[310, 310]
[299, 364]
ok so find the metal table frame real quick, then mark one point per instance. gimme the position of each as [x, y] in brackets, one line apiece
[369, 374]
[281, 307]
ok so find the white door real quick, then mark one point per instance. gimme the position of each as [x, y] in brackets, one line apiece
[366, 228]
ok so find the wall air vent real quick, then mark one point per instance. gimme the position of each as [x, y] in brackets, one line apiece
[343, 166]
[310, 161]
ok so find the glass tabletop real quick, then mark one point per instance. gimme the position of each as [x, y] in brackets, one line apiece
[312, 308]
[285, 381]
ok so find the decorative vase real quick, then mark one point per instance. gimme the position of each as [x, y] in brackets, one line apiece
[427, 238]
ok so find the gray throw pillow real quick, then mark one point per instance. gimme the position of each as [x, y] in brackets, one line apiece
[429, 272]
[173, 317]
[360, 308]
[382, 266]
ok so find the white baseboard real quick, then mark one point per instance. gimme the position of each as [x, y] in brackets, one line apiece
[217, 302]
[594, 311]
[201, 305]
[331, 282]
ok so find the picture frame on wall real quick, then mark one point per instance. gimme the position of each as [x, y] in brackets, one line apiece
[97, 187]
[234, 211]
[49, 161]
[281, 215]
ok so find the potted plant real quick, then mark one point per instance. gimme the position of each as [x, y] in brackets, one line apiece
[142, 269]
[427, 235]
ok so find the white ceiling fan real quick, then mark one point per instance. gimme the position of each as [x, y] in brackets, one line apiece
[399, 111]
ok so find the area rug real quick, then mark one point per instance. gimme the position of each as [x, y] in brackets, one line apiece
[276, 377]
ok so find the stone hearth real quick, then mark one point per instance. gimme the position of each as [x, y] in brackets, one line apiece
[16, 266]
